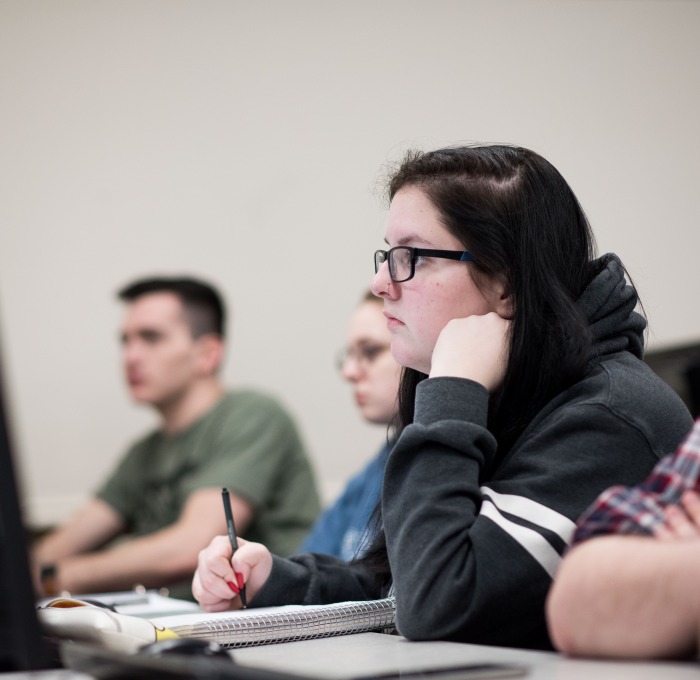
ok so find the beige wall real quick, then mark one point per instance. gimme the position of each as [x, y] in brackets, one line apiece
[242, 141]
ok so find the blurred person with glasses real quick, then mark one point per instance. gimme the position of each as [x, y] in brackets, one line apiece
[344, 529]
[523, 396]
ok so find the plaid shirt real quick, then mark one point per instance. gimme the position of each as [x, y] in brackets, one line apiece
[639, 509]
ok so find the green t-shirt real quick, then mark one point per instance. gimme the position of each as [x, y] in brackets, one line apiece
[246, 442]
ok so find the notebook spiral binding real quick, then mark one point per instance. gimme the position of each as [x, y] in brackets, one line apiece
[311, 622]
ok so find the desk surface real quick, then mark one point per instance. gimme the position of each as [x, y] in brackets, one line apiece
[349, 656]
[352, 655]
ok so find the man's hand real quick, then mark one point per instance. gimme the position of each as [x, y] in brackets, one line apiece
[157, 559]
[681, 522]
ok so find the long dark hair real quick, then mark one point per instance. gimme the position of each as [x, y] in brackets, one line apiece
[516, 214]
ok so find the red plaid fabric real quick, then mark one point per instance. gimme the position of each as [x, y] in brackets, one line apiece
[638, 509]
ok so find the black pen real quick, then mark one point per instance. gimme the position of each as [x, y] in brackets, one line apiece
[232, 535]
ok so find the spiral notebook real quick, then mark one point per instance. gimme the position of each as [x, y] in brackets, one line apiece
[284, 624]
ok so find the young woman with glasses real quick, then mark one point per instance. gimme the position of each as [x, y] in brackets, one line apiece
[366, 363]
[523, 396]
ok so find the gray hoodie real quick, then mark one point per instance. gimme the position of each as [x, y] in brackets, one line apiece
[473, 543]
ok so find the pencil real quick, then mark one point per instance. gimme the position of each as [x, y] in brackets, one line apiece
[232, 534]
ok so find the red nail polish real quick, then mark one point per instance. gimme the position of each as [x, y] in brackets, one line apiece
[239, 578]
[233, 587]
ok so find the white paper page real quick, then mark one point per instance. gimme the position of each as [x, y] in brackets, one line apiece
[186, 619]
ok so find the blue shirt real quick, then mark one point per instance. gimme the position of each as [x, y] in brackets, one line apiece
[341, 530]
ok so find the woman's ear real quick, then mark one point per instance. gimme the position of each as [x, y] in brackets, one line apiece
[505, 305]
[500, 298]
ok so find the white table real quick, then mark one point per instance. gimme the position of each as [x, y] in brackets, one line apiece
[348, 656]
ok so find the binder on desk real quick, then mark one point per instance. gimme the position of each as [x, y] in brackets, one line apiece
[284, 624]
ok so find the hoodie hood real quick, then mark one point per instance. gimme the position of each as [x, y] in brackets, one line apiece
[608, 302]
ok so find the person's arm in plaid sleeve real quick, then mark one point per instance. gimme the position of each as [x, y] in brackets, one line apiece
[635, 596]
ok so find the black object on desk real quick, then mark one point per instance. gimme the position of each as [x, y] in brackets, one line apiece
[187, 646]
[22, 646]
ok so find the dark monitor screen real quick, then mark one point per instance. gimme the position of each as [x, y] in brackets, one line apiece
[21, 644]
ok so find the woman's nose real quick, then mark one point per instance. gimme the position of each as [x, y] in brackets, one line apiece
[351, 369]
[381, 283]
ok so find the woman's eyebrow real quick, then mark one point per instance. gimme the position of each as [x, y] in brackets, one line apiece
[410, 238]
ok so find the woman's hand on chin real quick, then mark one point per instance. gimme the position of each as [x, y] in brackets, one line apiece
[475, 348]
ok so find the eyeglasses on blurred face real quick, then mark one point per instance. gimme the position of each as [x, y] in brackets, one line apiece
[402, 260]
[363, 355]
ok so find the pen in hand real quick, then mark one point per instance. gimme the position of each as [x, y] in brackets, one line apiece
[232, 537]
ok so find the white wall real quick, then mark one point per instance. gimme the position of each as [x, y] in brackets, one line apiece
[243, 141]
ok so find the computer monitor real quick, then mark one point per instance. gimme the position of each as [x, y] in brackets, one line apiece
[21, 643]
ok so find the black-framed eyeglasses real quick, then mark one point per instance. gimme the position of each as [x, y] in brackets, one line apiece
[402, 260]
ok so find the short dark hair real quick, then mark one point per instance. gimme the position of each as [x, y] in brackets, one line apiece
[204, 307]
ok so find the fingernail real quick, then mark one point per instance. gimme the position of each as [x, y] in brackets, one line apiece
[239, 578]
[233, 586]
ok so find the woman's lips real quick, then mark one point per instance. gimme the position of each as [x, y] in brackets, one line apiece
[392, 321]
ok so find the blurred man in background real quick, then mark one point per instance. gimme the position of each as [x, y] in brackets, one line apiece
[164, 498]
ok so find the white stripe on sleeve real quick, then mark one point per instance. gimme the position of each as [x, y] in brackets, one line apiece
[533, 512]
[535, 544]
